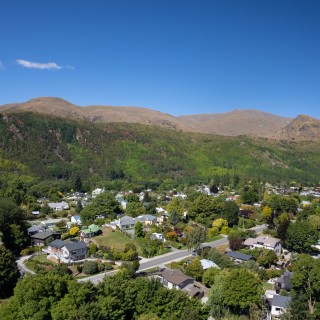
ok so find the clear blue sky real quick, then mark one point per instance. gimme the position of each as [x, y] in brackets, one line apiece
[176, 56]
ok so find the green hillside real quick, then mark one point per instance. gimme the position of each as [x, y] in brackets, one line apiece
[36, 148]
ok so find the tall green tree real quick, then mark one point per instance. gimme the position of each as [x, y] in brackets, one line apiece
[9, 272]
[301, 236]
[306, 288]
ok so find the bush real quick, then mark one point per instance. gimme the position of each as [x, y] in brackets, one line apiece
[225, 230]
[213, 232]
[90, 267]
[25, 252]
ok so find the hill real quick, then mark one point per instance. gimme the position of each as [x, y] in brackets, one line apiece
[234, 123]
[64, 109]
[237, 122]
[303, 128]
[38, 149]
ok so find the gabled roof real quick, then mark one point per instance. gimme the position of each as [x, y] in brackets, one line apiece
[57, 244]
[146, 217]
[42, 235]
[174, 276]
[264, 240]
[126, 220]
[286, 280]
[280, 301]
[34, 229]
[239, 255]
[206, 264]
[93, 228]
[75, 245]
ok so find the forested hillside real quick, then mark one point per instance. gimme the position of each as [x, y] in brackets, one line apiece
[39, 148]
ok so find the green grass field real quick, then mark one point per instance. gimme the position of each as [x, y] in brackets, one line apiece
[113, 239]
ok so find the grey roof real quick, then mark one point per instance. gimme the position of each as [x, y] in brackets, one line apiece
[33, 229]
[286, 280]
[57, 243]
[174, 276]
[42, 235]
[75, 245]
[126, 220]
[239, 255]
[281, 301]
[146, 217]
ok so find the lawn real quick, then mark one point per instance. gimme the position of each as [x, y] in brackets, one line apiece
[113, 238]
[39, 262]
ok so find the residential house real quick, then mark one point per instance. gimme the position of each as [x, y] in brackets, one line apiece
[175, 279]
[279, 306]
[58, 206]
[124, 223]
[239, 257]
[206, 264]
[41, 238]
[158, 236]
[91, 231]
[66, 252]
[147, 219]
[33, 230]
[265, 242]
[76, 220]
[96, 192]
[283, 282]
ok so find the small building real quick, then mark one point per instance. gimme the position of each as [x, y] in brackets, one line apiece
[62, 251]
[206, 264]
[174, 279]
[279, 305]
[58, 206]
[239, 257]
[76, 220]
[283, 282]
[158, 236]
[265, 242]
[96, 192]
[33, 230]
[91, 231]
[147, 219]
[41, 238]
[124, 223]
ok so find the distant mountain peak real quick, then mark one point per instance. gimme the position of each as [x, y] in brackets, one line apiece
[302, 128]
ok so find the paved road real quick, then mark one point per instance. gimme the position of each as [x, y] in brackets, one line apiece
[158, 261]
[146, 263]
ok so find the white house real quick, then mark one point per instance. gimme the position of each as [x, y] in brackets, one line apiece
[76, 220]
[265, 242]
[158, 236]
[96, 192]
[279, 305]
[57, 206]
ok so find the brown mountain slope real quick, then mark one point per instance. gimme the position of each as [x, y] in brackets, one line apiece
[302, 128]
[237, 122]
[61, 108]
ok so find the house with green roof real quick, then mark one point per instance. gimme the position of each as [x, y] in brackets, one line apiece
[91, 231]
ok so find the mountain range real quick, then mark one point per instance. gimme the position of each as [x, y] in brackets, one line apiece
[234, 123]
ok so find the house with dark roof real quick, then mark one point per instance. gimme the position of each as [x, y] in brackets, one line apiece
[62, 251]
[41, 238]
[175, 279]
[283, 282]
[239, 257]
[279, 305]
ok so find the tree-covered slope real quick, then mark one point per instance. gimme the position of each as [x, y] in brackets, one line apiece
[47, 147]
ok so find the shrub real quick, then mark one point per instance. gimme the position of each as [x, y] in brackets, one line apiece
[90, 267]
[213, 232]
[225, 230]
[25, 252]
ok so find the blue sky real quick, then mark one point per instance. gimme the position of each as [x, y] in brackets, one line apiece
[176, 56]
